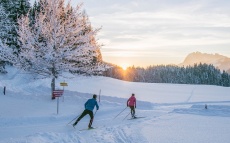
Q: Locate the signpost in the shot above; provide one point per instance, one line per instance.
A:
(63, 84)
(58, 93)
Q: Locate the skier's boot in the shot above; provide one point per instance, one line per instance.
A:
(133, 116)
(90, 127)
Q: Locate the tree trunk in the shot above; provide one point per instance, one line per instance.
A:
(52, 87)
(53, 82)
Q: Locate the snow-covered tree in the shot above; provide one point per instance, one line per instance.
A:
(6, 26)
(15, 9)
(35, 9)
(58, 42)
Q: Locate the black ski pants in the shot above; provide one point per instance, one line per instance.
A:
(85, 112)
(132, 110)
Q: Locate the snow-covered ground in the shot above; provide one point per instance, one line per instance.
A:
(173, 113)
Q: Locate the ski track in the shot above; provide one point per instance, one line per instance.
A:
(192, 93)
(127, 132)
(120, 131)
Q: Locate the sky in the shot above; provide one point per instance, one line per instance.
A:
(153, 32)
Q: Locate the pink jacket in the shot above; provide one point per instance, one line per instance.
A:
(131, 101)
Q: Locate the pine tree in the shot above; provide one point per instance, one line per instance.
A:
(6, 37)
(15, 9)
(225, 81)
(5, 25)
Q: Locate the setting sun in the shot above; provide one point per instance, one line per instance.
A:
(124, 66)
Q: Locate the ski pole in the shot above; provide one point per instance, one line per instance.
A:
(95, 112)
(126, 116)
(74, 119)
(120, 113)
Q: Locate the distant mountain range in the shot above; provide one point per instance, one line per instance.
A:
(217, 60)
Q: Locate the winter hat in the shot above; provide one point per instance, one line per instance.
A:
(95, 96)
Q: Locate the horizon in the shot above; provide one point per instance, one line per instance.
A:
(142, 34)
(184, 63)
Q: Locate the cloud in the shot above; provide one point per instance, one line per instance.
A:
(160, 28)
(162, 22)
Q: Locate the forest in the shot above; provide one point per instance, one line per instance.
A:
(198, 74)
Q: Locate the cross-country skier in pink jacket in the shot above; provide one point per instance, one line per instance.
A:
(131, 102)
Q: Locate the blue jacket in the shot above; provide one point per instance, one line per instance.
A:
(90, 104)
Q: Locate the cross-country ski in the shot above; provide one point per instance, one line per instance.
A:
(133, 118)
(87, 129)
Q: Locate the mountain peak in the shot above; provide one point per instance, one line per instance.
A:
(217, 60)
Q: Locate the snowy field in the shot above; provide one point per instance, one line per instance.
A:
(173, 113)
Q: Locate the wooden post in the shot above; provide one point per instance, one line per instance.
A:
(57, 93)
(4, 90)
(99, 95)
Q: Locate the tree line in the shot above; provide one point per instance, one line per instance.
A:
(198, 74)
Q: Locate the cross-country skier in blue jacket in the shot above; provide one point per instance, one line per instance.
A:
(89, 106)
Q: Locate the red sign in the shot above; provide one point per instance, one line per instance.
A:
(57, 93)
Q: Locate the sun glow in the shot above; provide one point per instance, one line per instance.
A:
(124, 66)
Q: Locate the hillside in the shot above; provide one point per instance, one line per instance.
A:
(219, 61)
(173, 112)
